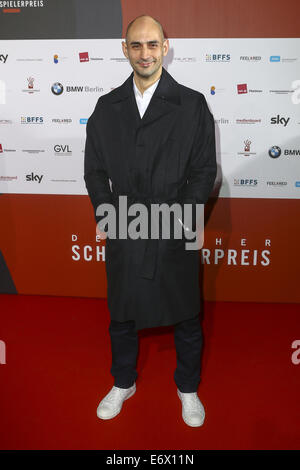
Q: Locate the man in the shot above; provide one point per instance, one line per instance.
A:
(153, 140)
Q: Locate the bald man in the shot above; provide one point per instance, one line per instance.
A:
(154, 140)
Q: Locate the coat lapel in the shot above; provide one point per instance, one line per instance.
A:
(165, 99)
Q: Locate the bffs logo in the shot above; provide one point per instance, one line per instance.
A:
(245, 182)
(217, 57)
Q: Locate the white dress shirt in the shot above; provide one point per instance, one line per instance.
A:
(143, 100)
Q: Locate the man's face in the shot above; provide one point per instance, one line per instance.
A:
(145, 48)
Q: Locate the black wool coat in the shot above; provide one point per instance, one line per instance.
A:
(167, 156)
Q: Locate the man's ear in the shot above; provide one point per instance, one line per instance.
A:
(124, 48)
(165, 46)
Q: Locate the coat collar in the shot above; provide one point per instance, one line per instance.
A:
(167, 89)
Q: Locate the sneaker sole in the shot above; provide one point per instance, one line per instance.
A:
(117, 412)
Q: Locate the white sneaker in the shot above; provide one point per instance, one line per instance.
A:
(193, 412)
(112, 403)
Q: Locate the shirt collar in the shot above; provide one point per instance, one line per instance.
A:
(148, 91)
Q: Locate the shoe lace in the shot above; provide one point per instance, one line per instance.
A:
(115, 392)
(192, 403)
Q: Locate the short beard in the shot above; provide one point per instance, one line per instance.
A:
(146, 74)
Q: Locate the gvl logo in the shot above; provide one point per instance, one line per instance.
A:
(33, 177)
(279, 120)
(2, 352)
(62, 149)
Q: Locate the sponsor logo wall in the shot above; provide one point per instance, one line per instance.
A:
(49, 88)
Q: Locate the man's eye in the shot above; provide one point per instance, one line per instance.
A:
(153, 45)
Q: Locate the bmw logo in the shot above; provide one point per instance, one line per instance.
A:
(57, 88)
(275, 151)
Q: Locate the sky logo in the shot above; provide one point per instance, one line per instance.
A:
(83, 120)
(297, 184)
(275, 58)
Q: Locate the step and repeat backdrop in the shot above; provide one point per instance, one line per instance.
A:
(49, 88)
(53, 69)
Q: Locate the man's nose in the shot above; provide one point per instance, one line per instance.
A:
(145, 50)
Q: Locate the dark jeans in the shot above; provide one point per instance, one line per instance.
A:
(188, 343)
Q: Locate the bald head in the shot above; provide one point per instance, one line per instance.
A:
(144, 20)
(145, 48)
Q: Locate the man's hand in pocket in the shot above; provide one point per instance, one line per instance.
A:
(100, 234)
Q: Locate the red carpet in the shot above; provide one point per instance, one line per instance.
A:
(58, 369)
